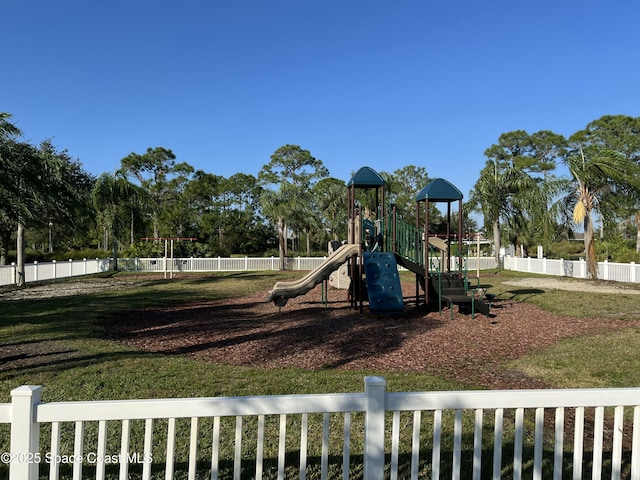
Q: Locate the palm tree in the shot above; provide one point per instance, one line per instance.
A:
(493, 196)
(10, 169)
(596, 173)
(621, 134)
(276, 205)
(38, 184)
(515, 187)
(7, 128)
(113, 197)
(34, 187)
(29, 197)
(307, 219)
(331, 197)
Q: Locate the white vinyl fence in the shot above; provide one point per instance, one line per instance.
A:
(222, 264)
(52, 270)
(617, 272)
(582, 433)
(216, 264)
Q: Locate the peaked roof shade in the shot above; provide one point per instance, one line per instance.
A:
(366, 177)
(439, 190)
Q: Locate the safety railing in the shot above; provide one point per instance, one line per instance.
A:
(578, 433)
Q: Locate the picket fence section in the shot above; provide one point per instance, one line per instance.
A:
(617, 272)
(580, 433)
(36, 271)
(222, 264)
(217, 264)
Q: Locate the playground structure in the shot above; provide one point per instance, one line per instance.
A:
(379, 240)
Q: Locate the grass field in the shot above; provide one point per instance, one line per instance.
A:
(73, 360)
(96, 368)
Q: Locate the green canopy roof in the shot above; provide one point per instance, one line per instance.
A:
(366, 177)
(439, 190)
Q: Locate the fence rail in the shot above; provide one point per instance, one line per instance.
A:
(376, 434)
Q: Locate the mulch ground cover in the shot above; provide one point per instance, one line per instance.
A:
(308, 334)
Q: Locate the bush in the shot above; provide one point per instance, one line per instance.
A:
(620, 250)
(87, 253)
(566, 249)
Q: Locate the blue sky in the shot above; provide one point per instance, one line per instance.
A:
(378, 83)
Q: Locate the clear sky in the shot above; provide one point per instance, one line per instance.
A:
(358, 83)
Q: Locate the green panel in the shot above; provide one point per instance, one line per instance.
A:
(439, 190)
(366, 177)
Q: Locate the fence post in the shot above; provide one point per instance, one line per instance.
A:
(25, 433)
(375, 391)
(35, 271)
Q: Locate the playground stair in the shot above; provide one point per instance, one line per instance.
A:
(454, 290)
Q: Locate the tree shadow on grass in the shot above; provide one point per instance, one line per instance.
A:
(52, 358)
(522, 294)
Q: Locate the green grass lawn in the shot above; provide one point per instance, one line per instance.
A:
(78, 362)
(96, 367)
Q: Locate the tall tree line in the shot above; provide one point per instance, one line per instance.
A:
(40, 186)
(523, 198)
(534, 189)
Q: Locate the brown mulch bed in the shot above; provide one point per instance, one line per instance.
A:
(307, 334)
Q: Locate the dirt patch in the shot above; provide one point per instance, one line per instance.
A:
(68, 287)
(593, 286)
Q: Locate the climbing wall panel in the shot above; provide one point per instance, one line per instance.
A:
(383, 282)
